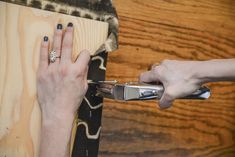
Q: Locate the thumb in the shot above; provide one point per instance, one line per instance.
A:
(166, 100)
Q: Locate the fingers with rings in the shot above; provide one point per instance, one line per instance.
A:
(154, 65)
(57, 40)
(53, 56)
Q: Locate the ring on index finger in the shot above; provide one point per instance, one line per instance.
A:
(152, 66)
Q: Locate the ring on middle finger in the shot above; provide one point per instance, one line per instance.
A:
(53, 56)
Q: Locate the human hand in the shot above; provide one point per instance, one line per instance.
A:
(61, 85)
(179, 79)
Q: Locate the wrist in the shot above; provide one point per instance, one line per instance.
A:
(56, 135)
(57, 123)
(57, 118)
(216, 70)
(195, 73)
(200, 72)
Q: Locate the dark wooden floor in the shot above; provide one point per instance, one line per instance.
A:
(154, 30)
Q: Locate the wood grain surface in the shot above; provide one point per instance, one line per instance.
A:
(154, 30)
(21, 31)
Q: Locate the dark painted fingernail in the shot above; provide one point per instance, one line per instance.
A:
(70, 24)
(45, 38)
(59, 26)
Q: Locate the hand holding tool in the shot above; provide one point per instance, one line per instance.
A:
(140, 91)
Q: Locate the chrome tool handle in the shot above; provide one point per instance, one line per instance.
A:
(202, 93)
(148, 92)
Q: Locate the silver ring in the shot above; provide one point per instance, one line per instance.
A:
(52, 56)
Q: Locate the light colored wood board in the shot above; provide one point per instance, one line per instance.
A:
(21, 32)
(154, 30)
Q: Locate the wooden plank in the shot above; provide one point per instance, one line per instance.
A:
(21, 32)
(154, 30)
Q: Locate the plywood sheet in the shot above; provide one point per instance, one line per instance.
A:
(21, 32)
